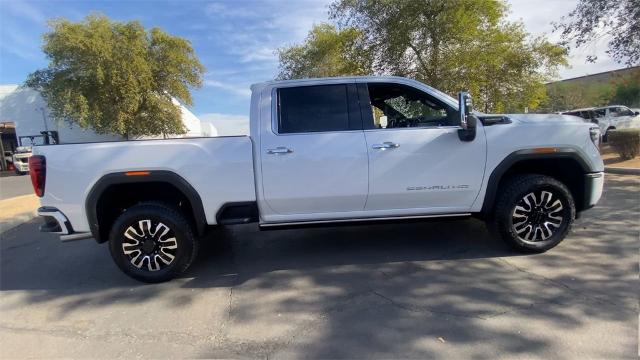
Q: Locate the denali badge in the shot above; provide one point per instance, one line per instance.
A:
(438, 187)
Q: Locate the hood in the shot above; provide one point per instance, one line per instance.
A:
(544, 118)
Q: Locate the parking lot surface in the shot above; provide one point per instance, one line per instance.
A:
(417, 290)
(12, 186)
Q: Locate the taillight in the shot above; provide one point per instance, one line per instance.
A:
(38, 173)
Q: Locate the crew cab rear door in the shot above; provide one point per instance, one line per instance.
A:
(417, 163)
(313, 153)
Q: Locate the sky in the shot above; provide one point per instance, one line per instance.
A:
(235, 40)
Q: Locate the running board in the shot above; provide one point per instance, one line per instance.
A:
(336, 222)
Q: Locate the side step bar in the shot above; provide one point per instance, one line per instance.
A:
(336, 222)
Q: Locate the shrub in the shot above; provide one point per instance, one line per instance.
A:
(625, 142)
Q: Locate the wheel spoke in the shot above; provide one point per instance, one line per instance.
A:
(170, 243)
(138, 259)
(520, 212)
(528, 202)
(555, 207)
(153, 263)
(545, 231)
(160, 232)
(132, 234)
(145, 226)
(166, 257)
(545, 198)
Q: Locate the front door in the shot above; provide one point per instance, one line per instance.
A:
(416, 160)
(314, 159)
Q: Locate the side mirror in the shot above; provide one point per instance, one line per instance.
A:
(637, 113)
(467, 120)
(465, 106)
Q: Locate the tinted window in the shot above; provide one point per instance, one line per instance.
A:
(400, 106)
(620, 111)
(317, 108)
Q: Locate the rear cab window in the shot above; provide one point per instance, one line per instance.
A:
(321, 108)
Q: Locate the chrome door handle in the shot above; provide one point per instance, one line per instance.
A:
(280, 150)
(386, 145)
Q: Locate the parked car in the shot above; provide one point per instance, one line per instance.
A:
(588, 114)
(618, 117)
(21, 159)
(322, 152)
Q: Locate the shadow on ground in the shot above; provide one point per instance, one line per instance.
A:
(406, 290)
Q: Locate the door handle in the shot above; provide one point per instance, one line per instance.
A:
(386, 145)
(280, 150)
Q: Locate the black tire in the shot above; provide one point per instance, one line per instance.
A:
(605, 137)
(150, 265)
(526, 225)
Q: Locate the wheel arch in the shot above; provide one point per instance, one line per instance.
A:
(173, 185)
(563, 164)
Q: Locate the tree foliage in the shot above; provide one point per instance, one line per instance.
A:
(450, 45)
(117, 77)
(618, 88)
(326, 52)
(591, 20)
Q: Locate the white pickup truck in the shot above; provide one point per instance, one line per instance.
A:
(355, 149)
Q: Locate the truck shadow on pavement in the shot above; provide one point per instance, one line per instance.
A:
(401, 290)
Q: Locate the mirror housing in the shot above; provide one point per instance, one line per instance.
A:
(468, 121)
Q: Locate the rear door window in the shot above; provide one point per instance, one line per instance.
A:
(321, 108)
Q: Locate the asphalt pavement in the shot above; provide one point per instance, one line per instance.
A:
(445, 289)
(12, 186)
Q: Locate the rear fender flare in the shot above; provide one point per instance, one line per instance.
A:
(164, 176)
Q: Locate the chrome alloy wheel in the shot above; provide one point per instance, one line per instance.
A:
(150, 246)
(536, 216)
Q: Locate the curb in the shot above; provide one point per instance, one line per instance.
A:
(622, 171)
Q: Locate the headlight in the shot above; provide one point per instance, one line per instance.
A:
(595, 135)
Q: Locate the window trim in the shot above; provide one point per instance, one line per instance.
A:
(275, 110)
(363, 91)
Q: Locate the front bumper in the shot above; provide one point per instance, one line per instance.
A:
(593, 185)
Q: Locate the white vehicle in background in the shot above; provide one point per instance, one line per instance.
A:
(21, 159)
(616, 117)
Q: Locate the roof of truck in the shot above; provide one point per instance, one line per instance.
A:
(346, 79)
(329, 79)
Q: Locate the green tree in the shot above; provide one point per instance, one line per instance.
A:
(450, 45)
(627, 90)
(564, 96)
(326, 52)
(593, 20)
(117, 77)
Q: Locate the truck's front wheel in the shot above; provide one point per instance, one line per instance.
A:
(534, 213)
(152, 242)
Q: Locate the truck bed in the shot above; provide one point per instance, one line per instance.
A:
(220, 169)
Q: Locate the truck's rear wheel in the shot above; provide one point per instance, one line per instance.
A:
(152, 242)
(534, 213)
